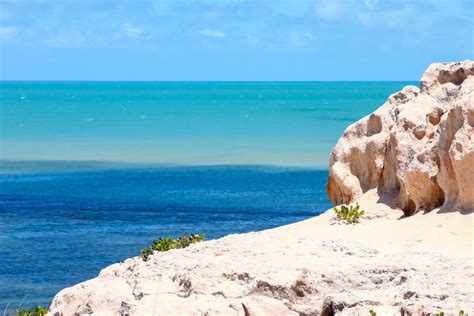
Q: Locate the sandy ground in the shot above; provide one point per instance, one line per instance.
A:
(386, 229)
(421, 264)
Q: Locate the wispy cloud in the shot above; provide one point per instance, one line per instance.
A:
(302, 39)
(330, 9)
(7, 32)
(399, 18)
(252, 39)
(131, 31)
(212, 33)
(61, 38)
(371, 3)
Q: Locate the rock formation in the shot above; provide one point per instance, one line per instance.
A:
(413, 266)
(417, 149)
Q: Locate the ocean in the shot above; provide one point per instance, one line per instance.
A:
(91, 172)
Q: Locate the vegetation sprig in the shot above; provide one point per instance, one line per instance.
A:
(461, 313)
(349, 213)
(35, 311)
(165, 244)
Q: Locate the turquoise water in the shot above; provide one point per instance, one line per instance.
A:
(283, 123)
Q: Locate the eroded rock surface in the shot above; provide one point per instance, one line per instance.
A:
(278, 272)
(417, 149)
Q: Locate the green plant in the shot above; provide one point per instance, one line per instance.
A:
(461, 313)
(36, 311)
(349, 213)
(165, 244)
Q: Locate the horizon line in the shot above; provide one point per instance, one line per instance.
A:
(203, 81)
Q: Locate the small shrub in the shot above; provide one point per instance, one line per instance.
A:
(461, 313)
(36, 311)
(349, 213)
(165, 244)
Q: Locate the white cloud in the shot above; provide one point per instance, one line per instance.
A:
(302, 39)
(400, 17)
(365, 18)
(330, 9)
(371, 3)
(131, 31)
(62, 37)
(252, 39)
(309, 36)
(212, 33)
(8, 32)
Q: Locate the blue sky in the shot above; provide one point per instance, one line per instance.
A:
(231, 40)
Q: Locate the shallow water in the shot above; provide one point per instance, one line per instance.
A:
(285, 123)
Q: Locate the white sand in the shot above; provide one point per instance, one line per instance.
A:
(449, 233)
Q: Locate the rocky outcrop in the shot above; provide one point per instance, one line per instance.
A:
(317, 267)
(417, 149)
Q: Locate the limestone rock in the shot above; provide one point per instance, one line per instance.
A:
(417, 149)
(290, 270)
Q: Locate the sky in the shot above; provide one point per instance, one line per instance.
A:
(231, 40)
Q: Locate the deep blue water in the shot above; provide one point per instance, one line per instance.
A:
(60, 228)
